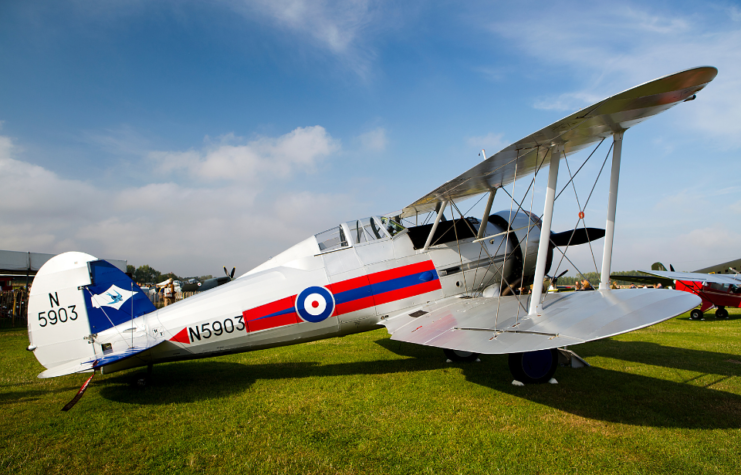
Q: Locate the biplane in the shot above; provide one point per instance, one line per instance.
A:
(718, 286)
(448, 283)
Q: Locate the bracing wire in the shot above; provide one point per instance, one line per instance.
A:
(109, 319)
(582, 209)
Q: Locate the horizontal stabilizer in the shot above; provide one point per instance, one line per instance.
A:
(90, 364)
(566, 318)
(577, 236)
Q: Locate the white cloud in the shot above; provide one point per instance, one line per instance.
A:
(374, 140)
(263, 157)
(339, 27)
(187, 229)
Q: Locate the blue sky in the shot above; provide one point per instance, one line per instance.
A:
(191, 135)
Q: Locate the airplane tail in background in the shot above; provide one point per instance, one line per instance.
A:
(74, 297)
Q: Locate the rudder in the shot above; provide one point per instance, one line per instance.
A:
(73, 297)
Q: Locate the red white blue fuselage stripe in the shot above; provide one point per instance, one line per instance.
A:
(353, 294)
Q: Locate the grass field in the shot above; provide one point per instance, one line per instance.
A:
(662, 400)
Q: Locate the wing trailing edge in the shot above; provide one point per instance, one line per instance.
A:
(567, 318)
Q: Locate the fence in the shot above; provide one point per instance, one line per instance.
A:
(14, 306)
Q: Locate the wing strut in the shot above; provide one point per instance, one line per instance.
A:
(434, 225)
(545, 229)
(604, 283)
(487, 210)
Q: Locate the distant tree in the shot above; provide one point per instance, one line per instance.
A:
(130, 269)
(592, 277)
(146, 274)
(205, 277)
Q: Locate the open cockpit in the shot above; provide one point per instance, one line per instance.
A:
(359, 231)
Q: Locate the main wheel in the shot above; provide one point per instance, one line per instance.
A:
(534, 367)
(461, 356)
(696, 314)
(721, 313)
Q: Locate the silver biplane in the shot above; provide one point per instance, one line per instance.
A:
(446, 284)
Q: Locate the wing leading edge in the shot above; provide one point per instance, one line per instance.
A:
(696, 277)
(575, 132)
(566, 319)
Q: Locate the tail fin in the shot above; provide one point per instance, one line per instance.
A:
(74, 296)
(658, 266)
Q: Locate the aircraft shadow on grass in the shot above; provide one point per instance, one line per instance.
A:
(626, 398)
(31, 394)
(654, 354)
(593, 393)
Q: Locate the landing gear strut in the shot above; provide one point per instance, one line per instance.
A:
(533, 367)
(461, 356)
(141, 382)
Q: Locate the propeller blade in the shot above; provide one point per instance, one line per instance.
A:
(561, 274)
(580, 236)
(226, 271)
(232, 274)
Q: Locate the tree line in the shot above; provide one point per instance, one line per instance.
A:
(594, 278)
(148, 275)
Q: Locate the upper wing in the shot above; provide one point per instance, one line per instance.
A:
(696, 277)
(567, 318)
(575, 132)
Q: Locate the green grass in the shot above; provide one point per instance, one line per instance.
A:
(662, 400)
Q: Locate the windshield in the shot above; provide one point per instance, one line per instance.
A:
(366, 230)
(332, 239)
(392, 226)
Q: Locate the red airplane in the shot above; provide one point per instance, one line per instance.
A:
(718, 286)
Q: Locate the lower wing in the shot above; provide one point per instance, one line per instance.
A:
(488, 326)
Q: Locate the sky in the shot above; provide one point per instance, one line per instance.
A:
(191, 135)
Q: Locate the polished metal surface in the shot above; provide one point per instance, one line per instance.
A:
(575, 132)
(567, 318)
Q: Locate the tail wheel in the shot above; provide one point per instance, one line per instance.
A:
(534, 367)
(696, 314)
(461, 356)
(721, 313)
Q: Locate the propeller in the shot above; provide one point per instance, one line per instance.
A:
(555, 279)
(577, 236)
(231, 276)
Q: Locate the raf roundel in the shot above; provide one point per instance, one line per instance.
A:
(315, 304)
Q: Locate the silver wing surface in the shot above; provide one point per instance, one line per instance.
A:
(575, 132)
(569, 318)
(696, 277)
